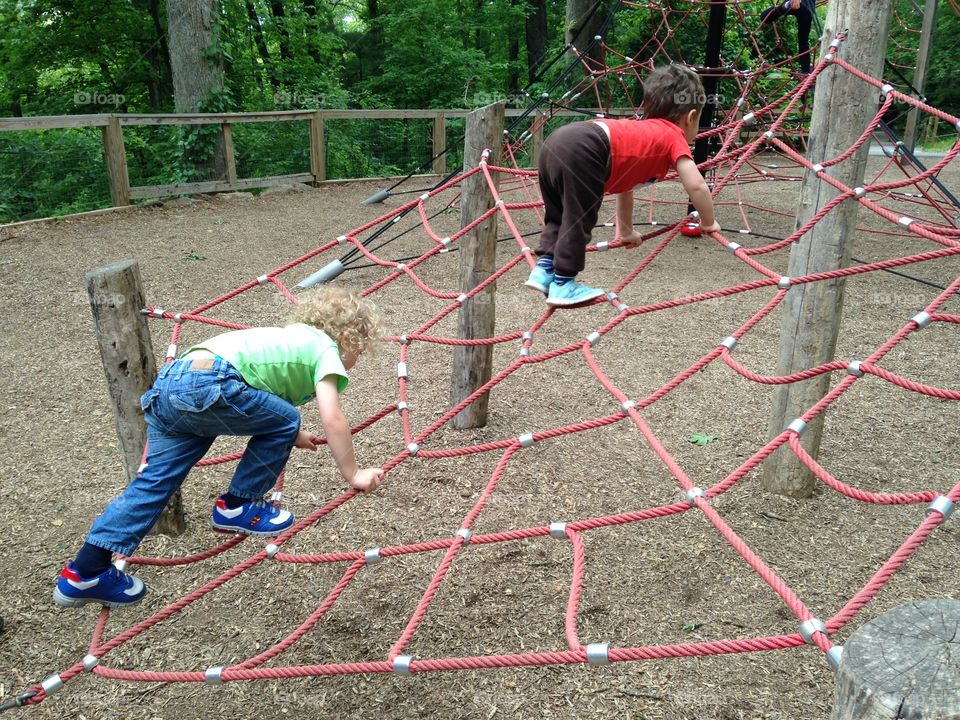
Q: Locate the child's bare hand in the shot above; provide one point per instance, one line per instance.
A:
(307, 441)
(367, 480)
(631, 239)
(712, 227)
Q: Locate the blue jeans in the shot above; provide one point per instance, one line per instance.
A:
(185, 411)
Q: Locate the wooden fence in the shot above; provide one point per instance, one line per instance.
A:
(116, 159)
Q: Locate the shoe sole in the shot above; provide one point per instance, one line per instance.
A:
(536, 286)
(68, 602)
(244, 531)
(569, 303)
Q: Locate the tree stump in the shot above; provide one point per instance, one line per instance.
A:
(116, 298)
(904, 665)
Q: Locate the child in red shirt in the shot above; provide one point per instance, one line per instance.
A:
(581, 162)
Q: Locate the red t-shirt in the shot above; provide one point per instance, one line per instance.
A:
(643, 151)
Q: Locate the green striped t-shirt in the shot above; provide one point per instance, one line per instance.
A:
(287, 361)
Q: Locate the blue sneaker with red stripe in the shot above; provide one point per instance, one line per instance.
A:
(257, 517)
(112, 588)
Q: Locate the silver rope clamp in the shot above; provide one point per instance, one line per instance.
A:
(425, 196)
(957, 126)
(748, 119)
(90, 662)
(733, 247)
(628, 405)
(729, 342)
(922, 319)
(178, 317)
(462, 298)
(593, 338)
(524, 352)
(413, 449)
(272, 549)
(601, 246)
(527, 335)
(798, 426)
(818, 168)
(905, 222)
(52, 684)
(401, 370)
(466, 534)
(834, 656)
(598, 653)
(445, 242)
(768, 135)
(855, 369)
(400, 267)
(263, 280)
(213, 675)
(693, 493)
(404, 340)
(156, 312)
(120, 565)
(372, 556)
(622, 307)
(276, 496)
(784, 282)
(809, 628)
(401, 664)
(943, 505)
(558, 530)
(171, 350)
(741, 102)
(341, 239)
(836, 43)
(887, 89)
(859, 192)
(402, 405)
(526, 440)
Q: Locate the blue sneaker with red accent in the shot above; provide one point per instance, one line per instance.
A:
(257, 517)
(112, 588)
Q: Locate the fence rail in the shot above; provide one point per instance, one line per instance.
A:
(115, 156)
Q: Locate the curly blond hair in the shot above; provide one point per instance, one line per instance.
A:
(351, 321)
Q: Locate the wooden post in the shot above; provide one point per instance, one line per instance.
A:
(920, 73)
(439, 144)
(116, 297)
(115, 157)
(536, 144)
(318, 153)
(904, 665)
(472, 365)
(228, 156)
(843, 107)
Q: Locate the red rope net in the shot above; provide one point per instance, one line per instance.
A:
(904, 203)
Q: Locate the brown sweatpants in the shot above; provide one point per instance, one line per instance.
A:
(573, 166)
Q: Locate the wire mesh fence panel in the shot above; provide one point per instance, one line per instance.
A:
(45, 173)
(153, 154)
(371, 148)
(276, 148)
(455, 128)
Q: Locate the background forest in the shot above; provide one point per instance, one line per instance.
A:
(68, 57)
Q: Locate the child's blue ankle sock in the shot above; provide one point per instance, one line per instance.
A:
(563, 279)
(546, 262)
(91, 561)
(233, 501)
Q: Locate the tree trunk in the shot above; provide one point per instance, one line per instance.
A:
(276, 8)
(261, 42)
(197, 73)
(843, 106)
(536, 30)
(513, 56)
(582, 25)
(373, 42)
(165, 72)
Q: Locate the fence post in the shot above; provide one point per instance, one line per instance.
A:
(439, 144)
(116, 298)
(115, 157)
(318, 154)
(904, 664)
(537, 142)
(228, 156)
(472, 365)
(920, 72)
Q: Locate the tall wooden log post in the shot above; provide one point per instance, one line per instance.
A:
(115, 158)
(843, 107)
(472, 365)
(904, 665)
(116, 298)
(920, 72)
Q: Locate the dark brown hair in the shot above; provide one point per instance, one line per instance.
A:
(671, 91)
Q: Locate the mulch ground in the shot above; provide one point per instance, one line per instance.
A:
(666, 581)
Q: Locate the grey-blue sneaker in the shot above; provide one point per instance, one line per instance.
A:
(539, 279)
(572, 293)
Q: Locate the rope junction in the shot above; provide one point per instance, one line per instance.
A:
(913, 204)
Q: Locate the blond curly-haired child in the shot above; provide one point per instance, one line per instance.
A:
(244, 382)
